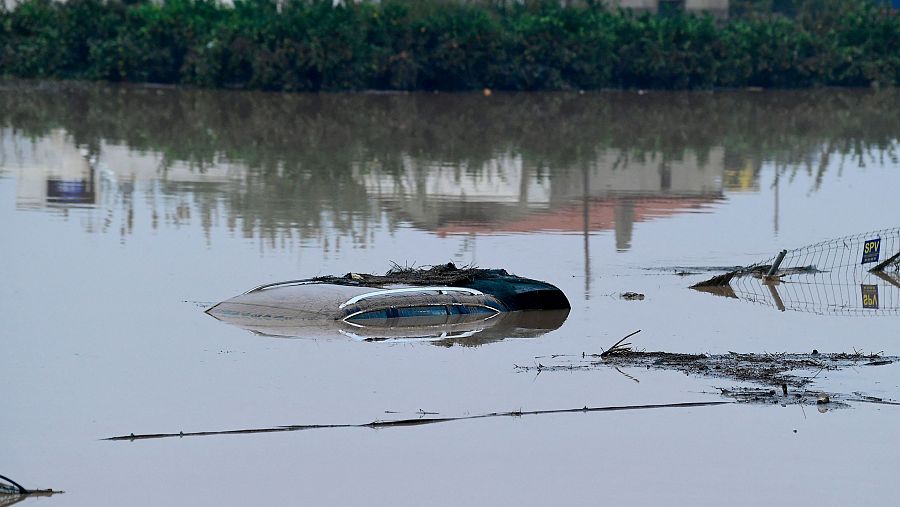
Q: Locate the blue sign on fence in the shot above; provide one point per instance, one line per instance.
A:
(871, 248)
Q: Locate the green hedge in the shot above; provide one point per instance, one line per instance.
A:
(439, 45)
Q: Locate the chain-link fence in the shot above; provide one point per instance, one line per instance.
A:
(852, 275)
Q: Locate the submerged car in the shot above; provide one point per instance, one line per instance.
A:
(441, 303)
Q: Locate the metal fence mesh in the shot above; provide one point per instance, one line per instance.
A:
(845, 254)
(856, 275)
(824, 294)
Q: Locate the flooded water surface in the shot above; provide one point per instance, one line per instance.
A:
(125, 212)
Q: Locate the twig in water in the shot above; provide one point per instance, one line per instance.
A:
(619, 347)
(627, 375)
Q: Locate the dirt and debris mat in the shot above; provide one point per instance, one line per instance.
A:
(441, 274)
(783, 377)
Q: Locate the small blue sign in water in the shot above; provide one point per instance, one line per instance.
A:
(871, 248)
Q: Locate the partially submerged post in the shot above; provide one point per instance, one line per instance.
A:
(776, 297)
(770, 276)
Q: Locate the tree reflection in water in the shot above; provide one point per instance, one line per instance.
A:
(334, 167)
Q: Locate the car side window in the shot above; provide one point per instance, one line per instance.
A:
(422, 311)
(467, 309)
(373, 314)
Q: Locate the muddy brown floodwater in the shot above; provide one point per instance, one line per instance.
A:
(127, 211)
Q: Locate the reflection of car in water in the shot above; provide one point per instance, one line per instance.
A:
(476, 306)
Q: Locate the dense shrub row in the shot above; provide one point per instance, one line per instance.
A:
(434, 44)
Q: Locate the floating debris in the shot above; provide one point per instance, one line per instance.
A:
(764, 396)
(768, 369)
(619, 347)
(791, 374)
